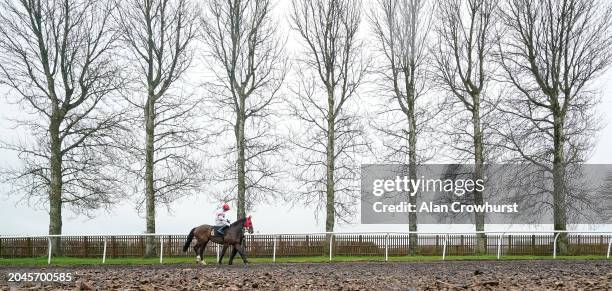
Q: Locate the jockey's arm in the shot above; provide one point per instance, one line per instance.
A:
(221, 220)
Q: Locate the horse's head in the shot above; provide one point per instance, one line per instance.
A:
(248, 224)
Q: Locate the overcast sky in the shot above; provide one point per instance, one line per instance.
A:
(20, 218)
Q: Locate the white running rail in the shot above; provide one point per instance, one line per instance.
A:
(332, 235)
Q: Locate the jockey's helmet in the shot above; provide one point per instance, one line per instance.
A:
(226, 207)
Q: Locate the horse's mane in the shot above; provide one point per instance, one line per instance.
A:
(237, 222)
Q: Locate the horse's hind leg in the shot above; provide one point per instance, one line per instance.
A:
(201, 252)
(241, 252)
(196, 249)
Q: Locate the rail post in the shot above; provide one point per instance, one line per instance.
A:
(499, 242)
(609, 245)
(555, 245)
(331, 244)
(387, 247)
(161, 249)
(104, 252)
(274, 249)
(49, 247)
(217, 252)
(444, 247)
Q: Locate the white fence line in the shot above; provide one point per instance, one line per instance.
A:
(446, 235)
(323, 232)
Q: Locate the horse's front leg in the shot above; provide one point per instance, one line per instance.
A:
(222, 253)
(232, 255)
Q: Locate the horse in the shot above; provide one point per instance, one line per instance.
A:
(233, 236)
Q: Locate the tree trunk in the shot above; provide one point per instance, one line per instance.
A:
(478, 174)
(412, 173)
(149, 179)
(55, 191)
(330, 207)
(241, 160)
(330, 216)
(559, 206)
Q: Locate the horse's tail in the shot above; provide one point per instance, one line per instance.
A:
(189, 239)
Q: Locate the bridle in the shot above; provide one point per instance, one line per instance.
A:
(248, 225)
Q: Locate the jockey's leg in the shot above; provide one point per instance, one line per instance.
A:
(222, 229)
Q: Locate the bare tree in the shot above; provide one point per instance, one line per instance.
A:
(551, 51)
(56, 57)
(249, 68)
(463, 54)
(401, 28)
(332, 69)
(159, 35)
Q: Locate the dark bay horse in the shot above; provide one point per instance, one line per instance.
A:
(233, 236)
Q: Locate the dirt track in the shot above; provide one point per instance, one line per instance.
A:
(516, 275)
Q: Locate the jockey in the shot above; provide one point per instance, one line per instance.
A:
(220, 221)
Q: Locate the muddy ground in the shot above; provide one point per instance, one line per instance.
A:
(477, 275)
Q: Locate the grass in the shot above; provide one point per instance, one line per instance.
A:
(70, 261)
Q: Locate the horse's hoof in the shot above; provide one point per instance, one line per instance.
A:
(203, 262)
